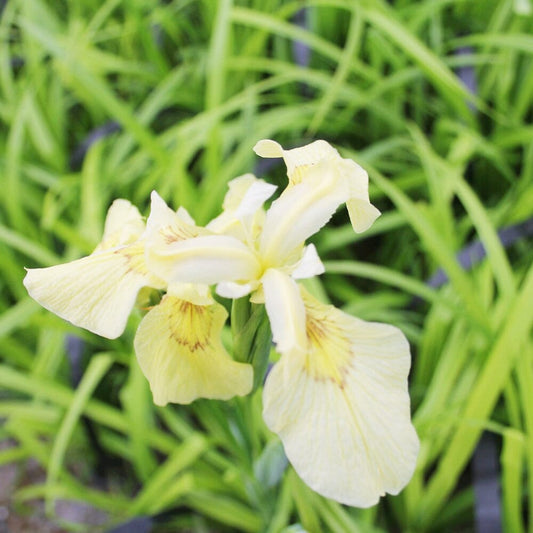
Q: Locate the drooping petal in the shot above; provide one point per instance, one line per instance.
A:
(342, 409)
(300, 160)
(300, 212)
(179, 350)
(96, 292)
(285, 311)
(123, 225)
(362, 213)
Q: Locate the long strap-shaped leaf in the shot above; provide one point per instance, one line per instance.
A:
(505, 353)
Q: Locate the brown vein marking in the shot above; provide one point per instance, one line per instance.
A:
(134, 256)
(172, 234)
(190, 325)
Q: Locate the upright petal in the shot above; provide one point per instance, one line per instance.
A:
(179, 350)
(96, 292)
(123, 225)
(246, 195)
(242, 211)
(165, 226)
(309, 264)
(342, 409)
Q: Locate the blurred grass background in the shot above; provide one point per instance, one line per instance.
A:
(107, 99)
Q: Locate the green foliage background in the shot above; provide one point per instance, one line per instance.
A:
(193, 85)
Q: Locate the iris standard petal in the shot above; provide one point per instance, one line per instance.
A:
(165, 226)
(242, 203)
(179, 350)
(96, 292)
(342, 409)
(123, 225)
(309, 265)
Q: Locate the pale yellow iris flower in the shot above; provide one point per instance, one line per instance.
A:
(338, 396)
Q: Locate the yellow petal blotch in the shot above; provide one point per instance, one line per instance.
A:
(179, 350)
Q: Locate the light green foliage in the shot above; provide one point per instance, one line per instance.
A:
(193, 85)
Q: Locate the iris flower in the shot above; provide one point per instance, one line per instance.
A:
(338, 396)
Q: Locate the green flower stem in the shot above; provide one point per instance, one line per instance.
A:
(240, 321)
(252, 337)
(261, 345)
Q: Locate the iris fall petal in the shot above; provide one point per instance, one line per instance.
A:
(300, 160)
(342, 409)
(96, 292)
(179, 350)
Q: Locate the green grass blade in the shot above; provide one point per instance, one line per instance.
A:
(488, 386)
(96, 370)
